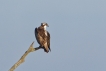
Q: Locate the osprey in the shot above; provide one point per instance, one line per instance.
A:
(43, 37)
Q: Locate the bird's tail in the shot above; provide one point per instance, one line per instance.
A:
(46, 50)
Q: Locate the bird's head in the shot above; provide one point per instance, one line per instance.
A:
(44, 24)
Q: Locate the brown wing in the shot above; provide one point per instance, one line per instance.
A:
(38, 37)
(48, 40)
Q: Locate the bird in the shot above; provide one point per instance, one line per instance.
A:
(43, 37)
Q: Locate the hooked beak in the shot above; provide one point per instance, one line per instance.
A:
(47, 25)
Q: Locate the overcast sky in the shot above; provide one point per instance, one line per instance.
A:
(77, 29)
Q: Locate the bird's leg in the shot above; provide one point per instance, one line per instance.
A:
(37, 48)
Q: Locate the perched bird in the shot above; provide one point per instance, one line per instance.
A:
(43, 37)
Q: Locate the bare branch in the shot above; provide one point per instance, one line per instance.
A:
(22, 59)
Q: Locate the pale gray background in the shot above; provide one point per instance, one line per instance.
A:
(77, 28)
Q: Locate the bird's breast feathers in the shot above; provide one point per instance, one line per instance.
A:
(46, 33)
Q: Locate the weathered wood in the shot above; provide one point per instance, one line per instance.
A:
(22, 59)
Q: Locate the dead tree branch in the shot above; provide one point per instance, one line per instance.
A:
(22, 59)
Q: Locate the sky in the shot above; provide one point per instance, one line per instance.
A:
(77, 29)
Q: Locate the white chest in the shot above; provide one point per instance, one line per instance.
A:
(46, 33)
(44, 27)
(45, 30)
